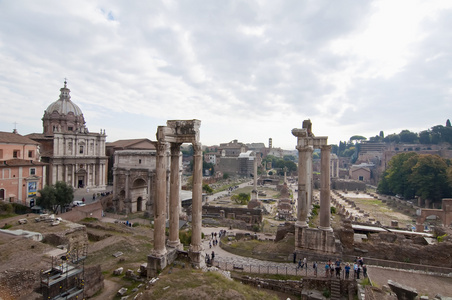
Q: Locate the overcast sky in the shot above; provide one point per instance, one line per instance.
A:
(249, 70)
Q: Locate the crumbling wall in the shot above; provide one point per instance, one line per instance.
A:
(94, 280)
(73, 237)
(19, 284)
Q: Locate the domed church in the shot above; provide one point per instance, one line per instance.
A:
(74, 155)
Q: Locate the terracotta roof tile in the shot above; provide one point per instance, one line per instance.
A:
(14, 138)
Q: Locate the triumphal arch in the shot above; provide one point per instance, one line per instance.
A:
(169, 139)
(319, 239)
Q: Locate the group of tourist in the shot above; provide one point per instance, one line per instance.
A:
(335, 268)
(214, 235)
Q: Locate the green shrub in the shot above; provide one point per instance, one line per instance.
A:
(333, 210)
(7, 226)
(440, 238)
(326, 293)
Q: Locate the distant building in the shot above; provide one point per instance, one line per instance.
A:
(21, 172)
(132, 144)
(74, 155)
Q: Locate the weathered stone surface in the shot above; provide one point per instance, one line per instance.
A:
(403, 292)
(122, 291)
(118, 271)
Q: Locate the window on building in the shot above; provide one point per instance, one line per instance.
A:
(32, 171)
(81, 149)
(70, 128)
(1, 153)
(361, 178)
(16, 153)
(30, 153)
(139, 161)
(2, 194)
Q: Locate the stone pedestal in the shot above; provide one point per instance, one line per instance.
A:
(314, 239)
(155, 265)
(197, 258)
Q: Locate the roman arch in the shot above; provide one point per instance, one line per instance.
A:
(444, 214)
(319, 239)
(171, 137)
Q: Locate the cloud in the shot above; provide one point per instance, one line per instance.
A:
(247, 69)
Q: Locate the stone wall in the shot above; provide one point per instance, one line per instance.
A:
(94, 280)
(349, 185)
(72, 237)
(250, 216)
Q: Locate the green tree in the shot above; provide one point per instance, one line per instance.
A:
(410, 174)
(55, 196)
(424, 137)
(395, 178)
(206, 188)
(242, 198)
(429, 177)
(409, 137)
(357, 138)
(392, 138)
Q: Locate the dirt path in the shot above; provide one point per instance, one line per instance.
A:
(428, 285)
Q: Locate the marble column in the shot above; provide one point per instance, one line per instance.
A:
(302, 202)
(196, 244)
(174, 206)
(160, 202)
(325, 211)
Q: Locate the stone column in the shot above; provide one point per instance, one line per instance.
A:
(174, 200)
(337, 167)
(160, 202)
(325, 211)
(302, 202)
(196, 245)
(254, 193)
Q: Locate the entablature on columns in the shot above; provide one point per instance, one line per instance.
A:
(305, 139)
(179, 131)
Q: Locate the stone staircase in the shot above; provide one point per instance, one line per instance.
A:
(335, 289)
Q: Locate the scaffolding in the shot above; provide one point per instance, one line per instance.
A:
(66, 277)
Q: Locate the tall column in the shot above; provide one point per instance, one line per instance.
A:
(174, 197)
(196, 245)
(160, 202)
(337, 167)
(325, 211)
(309, 177)
(302, 211)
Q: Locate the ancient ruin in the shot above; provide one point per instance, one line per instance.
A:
(313, 239)
(171, 137)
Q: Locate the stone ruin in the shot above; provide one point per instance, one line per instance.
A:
(171, 137)
(313, 239)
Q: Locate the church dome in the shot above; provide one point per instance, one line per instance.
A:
(63, 115)
(64, 105)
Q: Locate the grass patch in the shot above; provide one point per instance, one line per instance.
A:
(194, 284)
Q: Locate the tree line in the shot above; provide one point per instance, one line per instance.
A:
(418, 175)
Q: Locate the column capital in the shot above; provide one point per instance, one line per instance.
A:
(175, 149)
(305, 148)
(161, 148)
(325, 148)
(197, 148)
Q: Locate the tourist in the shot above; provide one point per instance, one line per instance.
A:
(213, 255)
(357, 272)
(347, 270)
(210, 244)
(314, 266)
(305, 263)
(83, 199)
(299, 264)
(364, 270)
(294, 257)
(327, 269)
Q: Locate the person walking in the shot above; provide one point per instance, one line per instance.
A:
(314, 266)
(299, 264)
